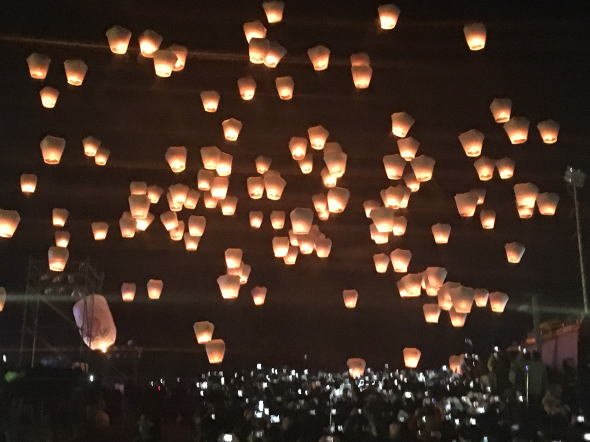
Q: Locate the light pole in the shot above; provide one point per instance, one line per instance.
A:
(576, 178)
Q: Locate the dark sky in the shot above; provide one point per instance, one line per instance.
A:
(536, 54)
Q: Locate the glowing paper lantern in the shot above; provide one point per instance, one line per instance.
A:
(431, 313)
(274, 185)
(411, 357)
(291, 257)
(407, 148)
(262, 164)
(481, 297)
(485, 168)
(256, 218)
(274, 11)
(127, 226)
(181, 53)
(28, 183)
(360, 59)
(255, 186)
(472, 142)
(118, 38)
(433, 279)
(228, 205)
(2, 298)
(285, 86)
(323, 247)
(138, 188)
(400, 260)
(393, 196)
(176, 158)
(233, 258)
(549, 131)
(215, 351)
(378, 237)
(38, 65)
(338, 199)
(498, 301)
(475, 35)
(361, 76)
(224, 164)
(143, 224)
(9, 220)
(99, 230)
(383, 219)
(410, 285)
(149, 43)
(95, 322)
(505, 168)
(306, 164)
(457, 319)
(75, 71)
(219, 187)
(229, 286)
(59, 217)
(154, 288)
(455, 363)
(320, 57)
(441, 233)
(259, 295)
(400, 223)
(318, 136)
(368, 207)
(481, 195)
(328, 179)
(62, 238)
(164, 62)
(91, 146)
(275, 53)
(306, 244)
(139, 205)
(514, 252)
(254, 29)
(356, 367)
(301, 220)
(191, 243)
(52, 148)
(210, 100)
(526, 194)
(58, 258)
(169, 220)
(381, 261)
(501, 109)
(462, 298)
(203, 331)
(204, 179)
(401, 122)
(466, 204)
(102, 156)
(177, 194)
(517, 129)
(487, 218)
(192, 199)
(128, 291)
(247, 88)
(298, 147)
(444, 297)
(231, 129)
(335, 159)
(411, 181)
(48, 97)
(350, 298)
(423, 167)
(388, 16)
(277, 219)
(280, 246)
(547, 203)
(196, 225)
(258, 50)
(394, 165)
(177, 233)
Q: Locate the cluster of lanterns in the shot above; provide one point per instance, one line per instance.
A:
(215, 348)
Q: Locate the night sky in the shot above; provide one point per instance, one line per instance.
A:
(535, 54)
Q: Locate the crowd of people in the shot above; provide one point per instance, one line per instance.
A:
(509, 397)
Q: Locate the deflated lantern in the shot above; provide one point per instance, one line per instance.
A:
(320, 57)
(48, 97)
(149, 42)
(356, 367)
(501, 109)
(231, 129)
(350, 298)
(128, 291)
(285, 86)
(400, 260)
(431, 313)
(28, 183)
(388, 16)
(466, 204)
(176, 158)
(517, 129)
(548, 130)
(75, 71)
(401, 122)
(118, 38)
(258, 295)
(38, 65)
(475, 35)
(154, 288)
(210, 100)
(498, 301)
(58, 258)
(441, 233)
(95, 322)
(229, 286)
(215, 351)
(203, 331)
(514, 252)
(472, 142)
(52, 148)
(411, 357)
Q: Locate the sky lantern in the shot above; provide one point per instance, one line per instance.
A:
(49, 97)
(547, 203)
(335, 159)
(247, 88)
(255, 186)
(410, 285)
(219, 187)
(350, 298)
(127, 226)
(505, 168)
(176, 158)
(382, 218)
(118, 38)
(498, 301)
(462, 298)
(9, 220)
(91, 145)
(181, 53)
(455, 363)
(62, 238)
(143, 224)
(58, 258)
(52, 148)
(229, 286)
(433, 279)
(102, 156)
(378, 238)
(169, 220)
(210, 100)
(361, 76)
(262, 164)
(549, 130)
(256, 218)
(401, 122)
(481, 195)
(191, 243)
(285, 86)
(320, 57)
(444, 296)
(323, 247)
(139, 205)
(328, 179)
(411, 357)
(229, 205)
(301, 220)
(243, 272)
(274, 11)
(514, 252)
(356, 367)
(472, 142)
(258, 49)
(338, 199)
(298, 147)
(254, 29)
(457, 319)
(306, 164)
(280, 246)
(192, 199)
(368, 207)
(204, 179)
(481, 297)
(526, 194)
(291, 257)
(75, 71)
(306, 244)
(233, 258)
(318, 136)
(224, 165)
(215, 351)
(99, 230)
(400, 260)
(128, 291)
(394, 165)
(28, 183)
(38, 65)
(393, 196)
(475, 35)
(178, 192)
(360, 59)
(408, 147)
(525, 212)
(431, 313)
(388, 16)
(196, 225)
(258, 295)
(381, 261)
(95, 322)
(231, 129)
(274, 185)
(441, 233)
(149, 43)
(487, 218)
(138, 188)
(154, 288)
(203, 331)
(400, 224)
(274, 55)
(411, 181)
(517, 129)
(501, 109)
(466, 204)
(277, 219)
(423, 167)
(485, 168)
(2, 298)
(59, 217)
(175, 206)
